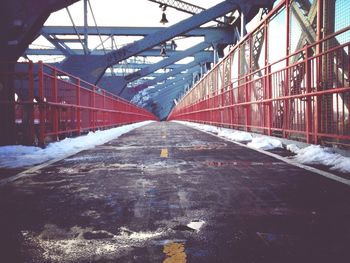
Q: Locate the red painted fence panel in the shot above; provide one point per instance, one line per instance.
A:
(51, 104)
(267, 89)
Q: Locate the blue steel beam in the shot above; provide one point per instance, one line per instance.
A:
(198, 60)
(91, 68)
(167, 61)
(178, 80)
(57, 52)
(124, 31)
(224, 37)
(61, 47)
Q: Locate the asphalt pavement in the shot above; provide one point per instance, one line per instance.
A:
(168, 193)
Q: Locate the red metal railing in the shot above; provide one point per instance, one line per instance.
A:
(303, 96)
(51, 104)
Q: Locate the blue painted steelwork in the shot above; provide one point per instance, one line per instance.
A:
(94, 67)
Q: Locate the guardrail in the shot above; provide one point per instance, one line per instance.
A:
(50, 104)
(302, 96)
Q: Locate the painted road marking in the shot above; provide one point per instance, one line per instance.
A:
(164, 153)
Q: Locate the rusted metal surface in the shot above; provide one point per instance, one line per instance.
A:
(206, 200)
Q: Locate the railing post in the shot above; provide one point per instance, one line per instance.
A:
(104, 109)
(248, 104)
(286, 91)
(78, 124)
(319, 35)
(31, 104)
(55, 108)
(268, 86)
(93, 108)
(308, 110)
(41, 105)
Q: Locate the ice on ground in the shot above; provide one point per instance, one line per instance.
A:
(196, 224)
(16, 156)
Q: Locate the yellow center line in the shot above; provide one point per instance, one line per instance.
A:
(164, 153)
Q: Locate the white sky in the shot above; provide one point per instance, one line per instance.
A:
(133, 13)
(124, 13)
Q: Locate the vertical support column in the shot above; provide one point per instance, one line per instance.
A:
(268, 85)
(308, 110)
(78, 124)
(86, 36)
(103, 107)
(56, 109)
(243, 22)
(286, 102)
(7, 113)
(319, 35)
(248, 106)
(30, 105)
(93, 108)
(329, 79)
(41, 105)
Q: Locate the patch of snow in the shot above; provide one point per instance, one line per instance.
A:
(265, 143)
(16, 156)
(196, 224)
(293, 148)
(316, 154)
(237, 136)
(310, 154)
(145, 235)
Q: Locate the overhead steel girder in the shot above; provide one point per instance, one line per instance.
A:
(140, 65)
(58, 52)
(174, 72)
(92, 68)
(228, 37)
(20, 22)
(167, 61)
(61, 47)
(190, 67)
(180, 79)
(123, 31)
(165, 102)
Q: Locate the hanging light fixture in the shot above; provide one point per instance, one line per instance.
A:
(164, 20)
(163, 51)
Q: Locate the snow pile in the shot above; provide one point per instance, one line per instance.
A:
(230, 134)
(237, 136)
(315, 154)
(16, 156)
(265, 143)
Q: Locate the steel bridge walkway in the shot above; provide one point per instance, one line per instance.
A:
(168, 193)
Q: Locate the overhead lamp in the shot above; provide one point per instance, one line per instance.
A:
(173, 45)
(164, 20)
(163, 51)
